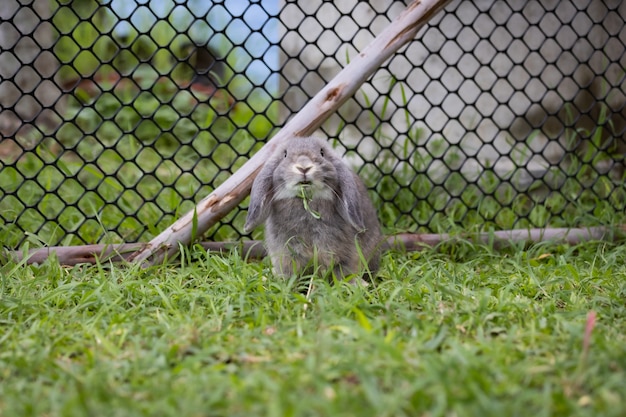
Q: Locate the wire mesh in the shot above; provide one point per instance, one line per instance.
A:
(117, 117)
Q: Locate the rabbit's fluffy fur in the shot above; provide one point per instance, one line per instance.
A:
(337, 229)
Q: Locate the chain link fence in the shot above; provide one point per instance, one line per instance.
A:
(117, 117)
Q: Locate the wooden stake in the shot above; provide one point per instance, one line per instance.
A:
(228, 195)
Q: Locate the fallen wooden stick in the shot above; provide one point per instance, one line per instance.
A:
(253, 249)
(416, 241)
(90, 254)
(230, 193)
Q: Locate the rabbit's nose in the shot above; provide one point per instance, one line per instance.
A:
(303, 166)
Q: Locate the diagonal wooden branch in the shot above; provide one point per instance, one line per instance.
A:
(228, 195)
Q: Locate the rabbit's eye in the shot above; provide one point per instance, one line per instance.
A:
(322, 151)
(285, 153)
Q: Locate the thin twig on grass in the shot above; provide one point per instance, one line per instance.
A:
(253, 249)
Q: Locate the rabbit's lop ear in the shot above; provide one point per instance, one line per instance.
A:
(351, 196)
(260, 196)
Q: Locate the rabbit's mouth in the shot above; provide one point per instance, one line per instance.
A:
(314, 189)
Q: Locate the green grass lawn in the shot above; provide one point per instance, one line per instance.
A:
(453, 331)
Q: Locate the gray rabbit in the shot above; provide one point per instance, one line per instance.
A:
(316, 211)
